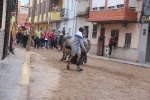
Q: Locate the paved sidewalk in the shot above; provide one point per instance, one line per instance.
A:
(120, 61)
(14, 76)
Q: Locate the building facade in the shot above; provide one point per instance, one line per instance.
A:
(68, 17)
(144, 44)
(82, 15)
(60, 18)
(112, 18)
(22, 13)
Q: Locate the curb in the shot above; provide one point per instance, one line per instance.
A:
(120, 61)
(26, 72)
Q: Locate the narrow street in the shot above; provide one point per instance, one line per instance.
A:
(100, 79)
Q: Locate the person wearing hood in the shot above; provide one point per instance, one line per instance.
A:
(75, 49)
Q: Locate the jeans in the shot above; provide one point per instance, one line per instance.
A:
(37, 44)
(25, 40)
(42, 42)
(48, 43)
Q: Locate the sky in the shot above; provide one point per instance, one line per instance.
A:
(24, 1)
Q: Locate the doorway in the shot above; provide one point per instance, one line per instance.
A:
(101, 41)
(86, 30)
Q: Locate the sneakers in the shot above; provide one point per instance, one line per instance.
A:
(79, 69)
(68, 68)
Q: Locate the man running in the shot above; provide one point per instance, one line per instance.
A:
(78, 40)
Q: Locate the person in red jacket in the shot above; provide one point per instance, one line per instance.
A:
(52, 39)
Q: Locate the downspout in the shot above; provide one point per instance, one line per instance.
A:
(75, 18)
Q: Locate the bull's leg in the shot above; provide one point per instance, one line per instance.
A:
(63, 52)
(63, 55)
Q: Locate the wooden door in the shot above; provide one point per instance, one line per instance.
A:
(101, 41)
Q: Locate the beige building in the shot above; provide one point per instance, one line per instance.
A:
(45, 17)
(119, 17)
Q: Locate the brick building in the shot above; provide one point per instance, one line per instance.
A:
(22, 13)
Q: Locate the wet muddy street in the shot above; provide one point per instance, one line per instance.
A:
(99, 80)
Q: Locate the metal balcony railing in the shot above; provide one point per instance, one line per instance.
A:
(64, 13)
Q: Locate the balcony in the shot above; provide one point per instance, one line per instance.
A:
(83, 13)
(64, 13)
(54, 16)
(111, 13)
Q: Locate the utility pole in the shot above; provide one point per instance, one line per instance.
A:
(34, 3)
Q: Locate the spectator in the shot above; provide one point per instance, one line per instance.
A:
(12, 34)
(45, 38)
(37, 39)
(52, 39)
(42, 38)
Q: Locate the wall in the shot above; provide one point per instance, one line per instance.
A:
(70, 23)
(107, 15)
(143, 44)
(129, 54)
(81, 22)
(22, 14)
(24, 10)
(80, 7)
(148, 48)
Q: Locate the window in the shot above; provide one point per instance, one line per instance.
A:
(36, 10)
(127, 40)
(94, 9)
(115, 4)
(44, 7)
(111, 7)
(40, 8)
(98, 3)
(132, 4)
(120, 6)
(94, 34)
(101, 8)
(115, 35)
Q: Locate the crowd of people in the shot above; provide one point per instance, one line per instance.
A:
(40, 38)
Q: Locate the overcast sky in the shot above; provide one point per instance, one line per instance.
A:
(24, 1)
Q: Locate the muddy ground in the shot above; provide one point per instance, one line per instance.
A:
(100, 80)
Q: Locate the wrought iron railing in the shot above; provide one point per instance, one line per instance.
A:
(64, 13)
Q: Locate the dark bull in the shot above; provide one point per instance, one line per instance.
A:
(67, 42)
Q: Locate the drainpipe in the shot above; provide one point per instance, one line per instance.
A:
(74, 19)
